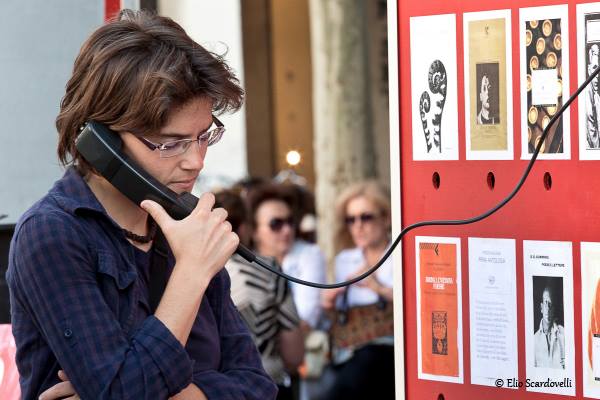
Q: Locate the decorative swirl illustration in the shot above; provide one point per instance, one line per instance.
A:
(431, 117)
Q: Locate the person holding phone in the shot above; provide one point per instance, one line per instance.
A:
(80, 265)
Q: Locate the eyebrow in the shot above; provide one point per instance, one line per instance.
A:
(179, 136)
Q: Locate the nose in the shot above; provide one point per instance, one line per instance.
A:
(193, 158)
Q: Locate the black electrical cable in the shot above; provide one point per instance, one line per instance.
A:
(443, 222)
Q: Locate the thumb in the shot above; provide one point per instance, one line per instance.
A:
(157, 212)
(62, 375)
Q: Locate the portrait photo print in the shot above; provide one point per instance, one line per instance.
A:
(548, 328)
(488, 93)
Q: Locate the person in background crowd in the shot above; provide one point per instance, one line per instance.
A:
(363, 212)
(81, 265)
(274, 235)
(266, 304)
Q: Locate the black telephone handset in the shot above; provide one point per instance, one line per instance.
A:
(102, 149)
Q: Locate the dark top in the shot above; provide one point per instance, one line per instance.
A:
(79, 302)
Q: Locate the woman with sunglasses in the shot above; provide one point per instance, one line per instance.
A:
(277, 325)
(363, 214)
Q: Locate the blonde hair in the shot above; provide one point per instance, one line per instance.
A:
(370, 190)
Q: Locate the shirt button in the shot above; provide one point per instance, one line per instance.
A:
(68, 333)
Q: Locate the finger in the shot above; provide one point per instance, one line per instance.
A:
(219, 214)
(226, 244)
(227, 227)
(205, 203)
(62, 375)
(157, 213)
(59, 390)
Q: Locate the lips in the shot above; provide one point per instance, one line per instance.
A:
(184, 185)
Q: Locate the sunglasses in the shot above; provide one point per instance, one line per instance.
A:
(276, 224)
(363, 217)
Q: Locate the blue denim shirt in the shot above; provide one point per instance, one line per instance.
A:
(79, 302)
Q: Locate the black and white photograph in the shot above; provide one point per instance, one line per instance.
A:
(592, 97)
(588, 60)
(488, 99)
(548, 314)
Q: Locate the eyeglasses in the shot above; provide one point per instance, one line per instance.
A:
(276, 224)
(177, 147)
(363, 217)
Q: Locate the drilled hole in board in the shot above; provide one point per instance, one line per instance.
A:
(491, 180)
(548, 181)
(440, 397)
(435, 179)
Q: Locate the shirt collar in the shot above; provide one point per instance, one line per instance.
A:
(74, 195)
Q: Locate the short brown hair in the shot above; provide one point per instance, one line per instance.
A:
(372, 191)
(132, 72)
(265, 192)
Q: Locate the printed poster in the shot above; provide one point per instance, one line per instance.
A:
(488, 85)
(493, 311)
(434, 87)
(590, 318)
(549, 325)
(439, 316)
(588, 60)
(544, 80)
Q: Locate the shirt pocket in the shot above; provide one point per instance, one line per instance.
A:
(115, 280)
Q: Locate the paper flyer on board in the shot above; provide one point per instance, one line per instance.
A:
(588, 59)
(544, 45)
(549, 323)
(488, 85)
(434, 87)
(439, 316)
(493, 311)
(590, 318)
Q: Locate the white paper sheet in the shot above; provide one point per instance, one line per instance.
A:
(434, 87)
(588, 35)
(543, 87)
(548, 296)
(596, 357)
(590, 284)
(493, 310)
(507, 154)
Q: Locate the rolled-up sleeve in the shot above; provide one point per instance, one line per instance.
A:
(241, 375)
(52, 276)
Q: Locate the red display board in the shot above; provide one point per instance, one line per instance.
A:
(566, 209)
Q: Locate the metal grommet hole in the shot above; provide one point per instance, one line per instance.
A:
(548, 181)
(435, 179)
(491, 180)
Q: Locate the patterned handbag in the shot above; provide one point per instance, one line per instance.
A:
(353, 327)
